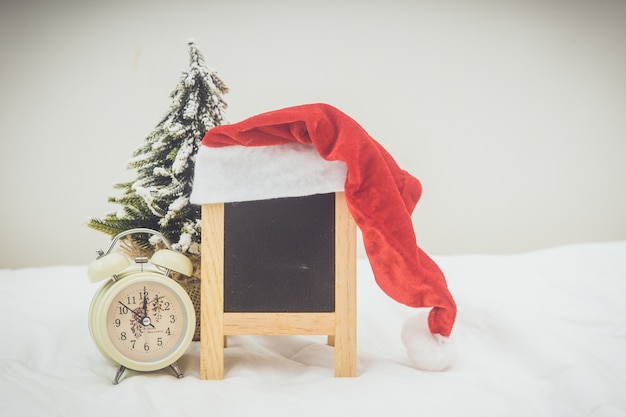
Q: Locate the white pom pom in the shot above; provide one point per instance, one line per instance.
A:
(427, 351)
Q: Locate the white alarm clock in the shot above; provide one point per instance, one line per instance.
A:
(140, 318)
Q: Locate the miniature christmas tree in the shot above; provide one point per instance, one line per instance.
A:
(159, 198)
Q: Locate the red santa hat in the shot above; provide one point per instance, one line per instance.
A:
(316, 148)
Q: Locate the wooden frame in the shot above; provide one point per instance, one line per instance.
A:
(216, 325)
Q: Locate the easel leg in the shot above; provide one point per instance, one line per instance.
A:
(212, 293)
(344, 339)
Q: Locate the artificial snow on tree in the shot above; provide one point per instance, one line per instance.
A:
(159, 198)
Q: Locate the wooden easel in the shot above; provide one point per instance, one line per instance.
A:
(216, 325)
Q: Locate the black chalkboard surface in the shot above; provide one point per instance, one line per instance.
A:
(279, 255)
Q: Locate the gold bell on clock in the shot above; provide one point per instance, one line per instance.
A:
(140, 318)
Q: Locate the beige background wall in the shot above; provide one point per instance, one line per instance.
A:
(512, 113)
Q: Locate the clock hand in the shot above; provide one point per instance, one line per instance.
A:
(131, 310)
(145, 320)
(138, 316)
(145, 301)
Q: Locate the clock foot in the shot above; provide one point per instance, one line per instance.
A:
(118, 375)
(176, 370)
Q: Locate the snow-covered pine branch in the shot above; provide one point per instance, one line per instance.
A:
(164, 162)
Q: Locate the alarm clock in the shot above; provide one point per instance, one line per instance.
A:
(140, 318)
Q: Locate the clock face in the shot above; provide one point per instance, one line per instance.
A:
(144, 321)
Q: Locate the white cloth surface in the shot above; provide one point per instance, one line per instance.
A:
(240, 173)
(538, 334)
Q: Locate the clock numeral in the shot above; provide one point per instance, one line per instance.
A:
(167, 305)
(168, 332)
(132, 343)
(123, 310)
(118, 322)
(131, 300)
(123, 336)
(146, 347)
(172, 318)
(159, 341)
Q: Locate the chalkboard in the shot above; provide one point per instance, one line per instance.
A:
(278, 267)
(279, 255)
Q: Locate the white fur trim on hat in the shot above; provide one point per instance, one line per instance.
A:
(240, 173)
(427, 351)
